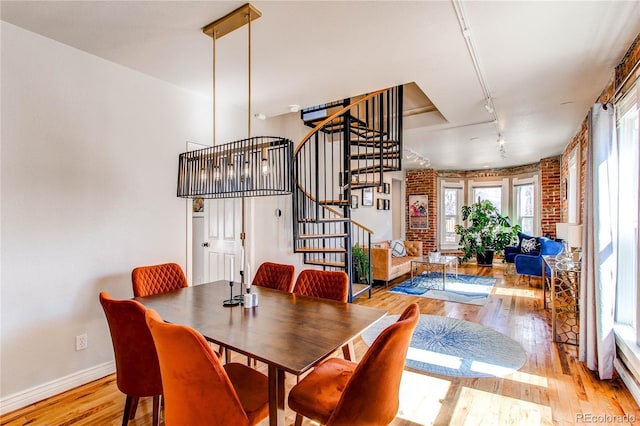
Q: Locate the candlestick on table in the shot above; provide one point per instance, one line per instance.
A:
(230, 301)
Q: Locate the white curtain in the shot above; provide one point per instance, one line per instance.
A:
(598, 282)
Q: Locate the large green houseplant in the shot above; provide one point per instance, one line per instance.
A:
(487, 232)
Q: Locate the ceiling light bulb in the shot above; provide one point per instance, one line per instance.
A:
(264, 164)
(245, 170)
(294, 108)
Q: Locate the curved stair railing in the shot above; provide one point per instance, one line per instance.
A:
(352, 148)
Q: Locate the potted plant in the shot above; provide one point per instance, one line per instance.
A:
(360, 259)
(487, 232)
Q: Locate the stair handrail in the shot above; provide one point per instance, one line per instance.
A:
(334, 116)
(352, 221)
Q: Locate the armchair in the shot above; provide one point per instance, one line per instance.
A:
(531, 264)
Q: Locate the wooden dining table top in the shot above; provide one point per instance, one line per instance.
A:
(291, 332)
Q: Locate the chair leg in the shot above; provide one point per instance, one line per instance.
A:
(349, 352)
(134, 408)
(130, 406)
(156, 410)
(298, 420)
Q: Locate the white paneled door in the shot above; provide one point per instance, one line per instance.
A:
(223, 224)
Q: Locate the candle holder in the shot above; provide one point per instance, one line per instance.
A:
(239, 297)
(231, 301)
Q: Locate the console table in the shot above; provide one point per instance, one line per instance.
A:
(561, 290)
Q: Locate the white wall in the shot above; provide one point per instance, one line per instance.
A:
(269, 238)
(88, 167)
(380, 221)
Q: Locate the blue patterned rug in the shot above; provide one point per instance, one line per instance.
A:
(453, 347)
(471, 289)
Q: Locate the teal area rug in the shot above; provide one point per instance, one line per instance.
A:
(458, 348)
(470, 289)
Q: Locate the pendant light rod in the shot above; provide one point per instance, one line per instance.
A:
(249, 75)
(214, 90)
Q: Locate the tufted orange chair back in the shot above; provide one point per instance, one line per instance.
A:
(156, 279)
(372, 394)
(339, 392)
(197, 389)
(137, 367)
(332, 285)
(275, 275)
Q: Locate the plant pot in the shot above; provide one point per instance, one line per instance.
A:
(485, 259)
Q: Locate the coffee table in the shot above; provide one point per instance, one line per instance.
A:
(440, 261)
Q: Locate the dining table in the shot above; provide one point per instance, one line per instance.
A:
(288, 332)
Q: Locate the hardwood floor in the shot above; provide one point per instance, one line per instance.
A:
(551, 388)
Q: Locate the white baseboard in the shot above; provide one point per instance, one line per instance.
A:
(54, 387)
(627, 379)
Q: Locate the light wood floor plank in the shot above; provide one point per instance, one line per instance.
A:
(552, 388)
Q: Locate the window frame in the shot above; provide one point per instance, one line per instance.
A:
(444, 185)
(533, 180)
(502, 183)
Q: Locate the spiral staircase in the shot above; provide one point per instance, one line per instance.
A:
(352, 144)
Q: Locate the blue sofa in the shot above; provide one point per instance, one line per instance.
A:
(527, 255)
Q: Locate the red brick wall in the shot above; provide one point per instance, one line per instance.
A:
(425, 181)
(581, 138)
(550, 195)
(420, 182)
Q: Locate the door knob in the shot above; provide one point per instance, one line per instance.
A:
(205, 244)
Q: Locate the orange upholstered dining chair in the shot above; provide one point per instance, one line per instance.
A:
(137, 368)
(198, 389)
(340, 392)
(148, 280)
(275, 275)
(332, 285)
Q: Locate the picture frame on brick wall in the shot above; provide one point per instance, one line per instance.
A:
(419, 211)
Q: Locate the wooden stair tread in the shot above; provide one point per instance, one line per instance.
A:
(372, 143)
(374, 156)
(334, 202)
(320, 250)
(373, 169)
(324, 220)
(314, 236)
(319, 262)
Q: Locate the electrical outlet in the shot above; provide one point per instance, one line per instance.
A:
(82, 342)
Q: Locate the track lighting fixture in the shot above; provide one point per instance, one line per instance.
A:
(417, 158)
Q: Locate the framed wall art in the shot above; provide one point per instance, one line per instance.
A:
(354, 201)
(418, 212)
(367, 197)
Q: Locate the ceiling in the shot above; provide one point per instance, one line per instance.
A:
(542, 63)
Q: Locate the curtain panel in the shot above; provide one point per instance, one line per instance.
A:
(598, 279)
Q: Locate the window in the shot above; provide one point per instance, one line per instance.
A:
(451, 193)
(526, 207)
(627, 313)
(491, 193)
(495, 191)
